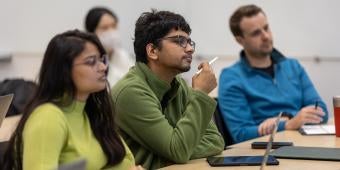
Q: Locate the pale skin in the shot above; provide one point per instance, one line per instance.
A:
(257, 42)
(171, 59)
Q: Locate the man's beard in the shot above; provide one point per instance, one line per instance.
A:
(185, 69)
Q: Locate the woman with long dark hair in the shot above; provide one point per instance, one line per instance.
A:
(71, 115)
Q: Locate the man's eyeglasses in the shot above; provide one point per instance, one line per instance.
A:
(181, 41)
(94, 60)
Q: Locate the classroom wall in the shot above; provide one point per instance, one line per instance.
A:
(301, 28)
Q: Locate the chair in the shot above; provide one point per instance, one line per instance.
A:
(221, 126)
(3, 148)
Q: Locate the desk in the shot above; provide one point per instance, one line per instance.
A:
(8, 126)
(244, 148)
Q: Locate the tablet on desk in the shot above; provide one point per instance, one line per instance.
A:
(240, 161)
(275, 145)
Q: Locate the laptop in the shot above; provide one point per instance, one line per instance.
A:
(5, 102)
(270, 142)
(75, 165)
(307, 153)
(248, 160)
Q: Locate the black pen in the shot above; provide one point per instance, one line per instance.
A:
(316, 104)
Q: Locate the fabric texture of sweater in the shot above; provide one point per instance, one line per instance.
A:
(54, 136)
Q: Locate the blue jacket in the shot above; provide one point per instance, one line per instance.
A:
(248, 96)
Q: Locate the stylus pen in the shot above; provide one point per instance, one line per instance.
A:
(316, 105)
(210, 62)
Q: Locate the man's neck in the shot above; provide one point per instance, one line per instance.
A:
(163, 74)
(259, 61)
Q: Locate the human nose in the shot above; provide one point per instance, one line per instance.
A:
(102, 66)
(265, 34)
(190, 47)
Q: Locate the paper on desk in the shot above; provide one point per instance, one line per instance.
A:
(318, 130)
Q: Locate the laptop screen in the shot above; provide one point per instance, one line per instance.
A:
(5, 102)
(270, 142)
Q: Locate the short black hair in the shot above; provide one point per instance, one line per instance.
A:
(151, 26)
(94, 15)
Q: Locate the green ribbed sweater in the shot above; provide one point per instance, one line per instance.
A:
(54, 136)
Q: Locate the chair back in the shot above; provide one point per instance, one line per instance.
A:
(221, 126)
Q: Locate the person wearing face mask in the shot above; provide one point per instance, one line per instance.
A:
(104, 23)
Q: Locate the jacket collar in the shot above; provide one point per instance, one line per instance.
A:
(276, 56)
(158, 86)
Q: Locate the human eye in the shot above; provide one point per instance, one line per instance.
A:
(104, 59)
(256, 33)
(266, 28)
(91, 61)
(183, 40)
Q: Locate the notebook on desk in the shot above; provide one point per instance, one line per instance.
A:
(5, 102)
(317, 130)
(309, 153)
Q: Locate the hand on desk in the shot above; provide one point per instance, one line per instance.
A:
(307, 114)
(267, 126)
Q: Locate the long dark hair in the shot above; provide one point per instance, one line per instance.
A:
(54, 82)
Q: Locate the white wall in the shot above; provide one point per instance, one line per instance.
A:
(301, 28)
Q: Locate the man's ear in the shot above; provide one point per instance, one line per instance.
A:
(151, 51)
(239, 40)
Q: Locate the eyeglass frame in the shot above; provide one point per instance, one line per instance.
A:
(104, 59)
(176, 39)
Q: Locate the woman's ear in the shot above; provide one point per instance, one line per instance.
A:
(152, 51)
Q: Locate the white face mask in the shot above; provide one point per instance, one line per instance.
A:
(110, 39)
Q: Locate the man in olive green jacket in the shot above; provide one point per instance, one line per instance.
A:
(162, 119)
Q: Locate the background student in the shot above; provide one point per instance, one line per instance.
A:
(104, 23)
(71, 114)
(264, 82)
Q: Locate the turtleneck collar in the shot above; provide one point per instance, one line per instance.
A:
(76, 107)
(159, 86)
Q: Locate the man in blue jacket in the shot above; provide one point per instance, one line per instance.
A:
(264, 83)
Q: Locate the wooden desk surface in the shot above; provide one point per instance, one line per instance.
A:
(8, 126)
(244, 148)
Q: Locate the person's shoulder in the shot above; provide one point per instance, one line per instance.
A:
(45, 117)
(47, 108)
(233, 70)
(131, 84)
(47, 112)
(131, 78)
(291, 62)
